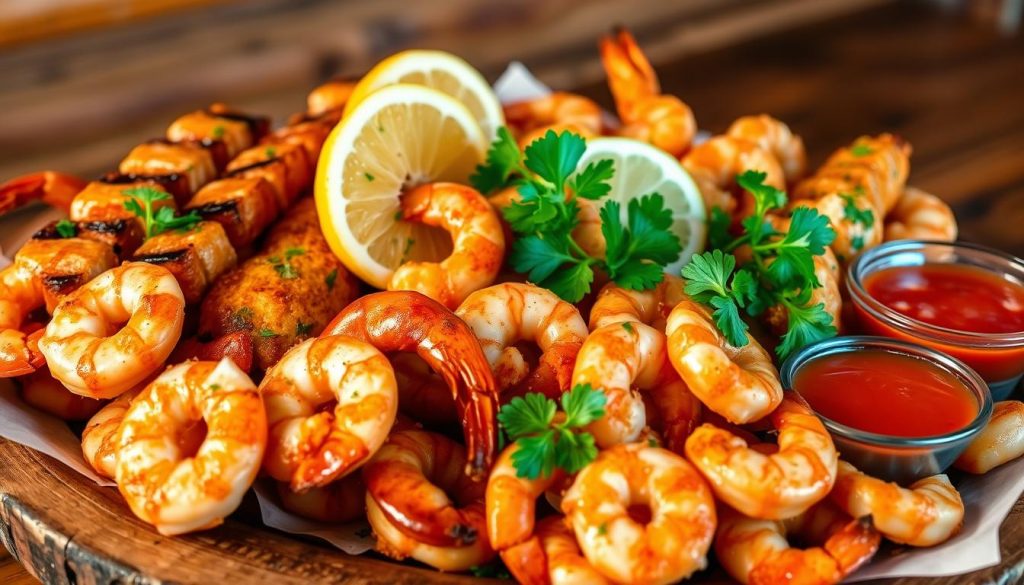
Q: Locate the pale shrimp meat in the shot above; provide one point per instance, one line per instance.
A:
(878, 165)
(112, 333)
(159, 157)
(505, 314)
(180, 491)
(478, 243)
(919, 215)
(559, 112)
(330, 404)
(715, 164)
(100, 437)
(775, 137)
(405, 321)
(739, 383)
(420, 504)
(774, 485)
(1001, 441)
(557, 559)
(642, 515)
(616, 304)
(927, 512)
(42, 392)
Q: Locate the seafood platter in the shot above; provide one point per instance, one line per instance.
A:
(528, 339)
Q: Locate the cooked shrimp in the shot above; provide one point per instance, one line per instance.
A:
(408, 486)
(853, 216)
(338, 502)
(330, 404)
(41, 391)
(919, 215)
(829, 294)
(20, 294)
(181, 491)
(606, 506)
(422, 393)
(142, 299)
(328, 96)
(739, 383)
(53, 188)
(616, 304)
(757, 552)
(877, 164)
(557, 559)
(775, 137)
(100, 437)
(404, 321)
(622, 358)
(771, 486)
(478, 244)
(505, 314)
(715, 164)
(926, 513)
(647, 114)
(1001, 441)
(559, 111)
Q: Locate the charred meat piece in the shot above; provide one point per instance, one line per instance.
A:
(62, 265)
(196, 256)
(122, 235)
(245, 207)
(166, 158)
(285, 166)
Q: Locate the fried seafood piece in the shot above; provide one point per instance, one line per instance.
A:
(287, 167)
(288, 292)
(196, 256)
(243, 207)
(183, 159)
(236, 131)
(103, 201)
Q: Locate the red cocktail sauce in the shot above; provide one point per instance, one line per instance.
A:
(956, 297)
(886, 393)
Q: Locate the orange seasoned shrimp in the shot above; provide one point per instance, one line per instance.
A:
(505, 314)
(558, 559)
(775, 137)
(771, 486)
(919, 215)
(757, 552)
(878, 165)
(404, 321)
(53, 188)
(41, 391)
(616, 304)
(622, 358)
(559, 111)
(642, 515)
(332, 95)
(739, 383)
(853, 216)
(478, 243)
(829, 294)
(84, 346)
(410, 485)
(330, 404)
(511, 503)
(926, 513)
(338, 502)
(647, 114)
(100, 437)
(715, 164)
(178, 490)
(1001, 441)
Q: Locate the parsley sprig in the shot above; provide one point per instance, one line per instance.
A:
(547, 175)
(546, 441)
(163, 219)
(780, 271)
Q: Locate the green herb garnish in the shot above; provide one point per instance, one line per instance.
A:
(163, 219)
(66, 228)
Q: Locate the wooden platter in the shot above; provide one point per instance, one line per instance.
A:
(66, 530)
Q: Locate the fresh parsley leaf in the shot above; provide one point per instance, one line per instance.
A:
(728, 320)
(163, 219)
(527, 415)
(293, 252)
(554, 157)
(718, 228)
(573, 451)
(854, 214)
(218, 131)
(861, 150)
(635, 256)
(539, 258)
(571, 284)
(806, 325)
(592, 182)
(583, 405)
(765, 196)
(265, 332)
(331, 278)
(66, 228)
(707, 275)
(269, 152)
(535, 456)
(503, 162)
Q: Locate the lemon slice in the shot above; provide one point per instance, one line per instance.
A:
(399, 136)
(441, 71)
(641, 169)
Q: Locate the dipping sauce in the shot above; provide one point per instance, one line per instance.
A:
(886, 393)
(953, 296)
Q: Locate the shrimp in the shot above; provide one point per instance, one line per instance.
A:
(504, 314)
(620, 356)
(422, 393)
(739, 383)
(642, 515)
(919, 215)
(53, 188)
(100, 437)
(775, 137)
(180, 491)
(647, 114)
(80, 348)
(1001, 441)
(829, 294)
(408, 484)
(926, 513)
(330, 404)
(756, 552)
(715, 164)
(770, 486)
(616, 304)
(558, 559)
(478, 243)
(404, 321)
(559, 111)
(42, 392)
(332, 95)
(511, 503)
(338, 502)
(852, 214)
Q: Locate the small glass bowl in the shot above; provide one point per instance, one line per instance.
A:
(899, 459)
(997, 357)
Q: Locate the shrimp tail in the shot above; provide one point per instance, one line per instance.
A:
(854, 544)
(336, 454)
(53, 188)
(630, 75)
(475, 393)
(527, 562)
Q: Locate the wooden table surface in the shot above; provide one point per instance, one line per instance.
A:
(954, 88)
